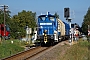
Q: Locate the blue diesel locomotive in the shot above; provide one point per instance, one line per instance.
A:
(48, 31)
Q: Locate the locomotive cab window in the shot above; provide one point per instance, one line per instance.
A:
(51, 18)
(43, 17)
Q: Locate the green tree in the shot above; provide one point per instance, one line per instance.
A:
(86, 22)
(20, 21)
(7, 17)
(57, 16)
(1, 16)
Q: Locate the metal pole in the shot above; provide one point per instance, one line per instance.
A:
(71, 34)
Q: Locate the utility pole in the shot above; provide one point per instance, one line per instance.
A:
(4, 7)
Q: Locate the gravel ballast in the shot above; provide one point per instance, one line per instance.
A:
(55, 53)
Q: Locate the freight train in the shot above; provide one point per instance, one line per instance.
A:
(7, 31)
(50, 30)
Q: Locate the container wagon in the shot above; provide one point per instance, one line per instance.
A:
(67, 30)
(64, 29)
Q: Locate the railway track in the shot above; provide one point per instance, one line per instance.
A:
(32, 53)
(25, 55)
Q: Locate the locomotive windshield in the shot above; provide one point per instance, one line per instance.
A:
(42, 17)
(51, 18)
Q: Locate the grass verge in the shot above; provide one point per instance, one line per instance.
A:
(7, 48)
(79, 51)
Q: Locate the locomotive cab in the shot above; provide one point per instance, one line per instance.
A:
(47, 30)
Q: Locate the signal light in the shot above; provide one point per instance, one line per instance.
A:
(66, 12)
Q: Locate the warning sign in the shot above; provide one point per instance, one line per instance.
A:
(88, 30)
(28, 31)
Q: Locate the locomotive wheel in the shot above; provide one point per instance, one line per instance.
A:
(42, 44)
(52, 43)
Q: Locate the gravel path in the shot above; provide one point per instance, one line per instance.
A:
(55, 53)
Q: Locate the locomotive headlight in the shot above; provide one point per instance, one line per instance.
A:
(43, 33)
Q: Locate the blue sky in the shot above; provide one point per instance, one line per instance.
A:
(78, 8)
